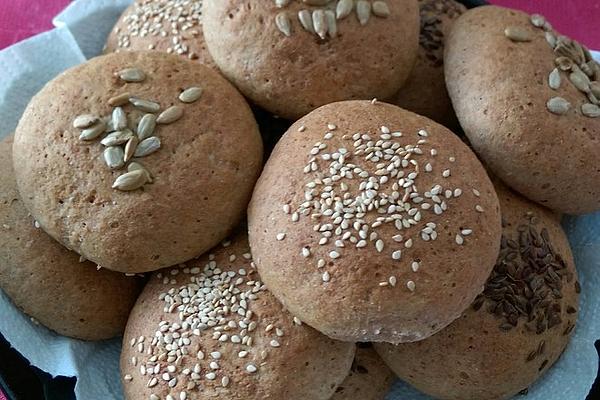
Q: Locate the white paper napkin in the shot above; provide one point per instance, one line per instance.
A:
(81, 31)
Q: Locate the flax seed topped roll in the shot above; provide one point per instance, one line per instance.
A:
(50, 283)
(425, 90)
(292, 56)
(516, 329)
(137, 160)
(371, 223)
(369, 377)
(528, 99)
(172, 26)
(210, 330)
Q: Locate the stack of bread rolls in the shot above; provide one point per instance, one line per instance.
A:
(422, 242)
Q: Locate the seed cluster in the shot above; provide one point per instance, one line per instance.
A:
(432, 38)
(131, 136)
(321, 16)
(353, 191)
(527, 281)
(210, 302)
(178, 20)
(573, 60)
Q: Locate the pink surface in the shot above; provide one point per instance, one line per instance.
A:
(575, 18)
(20, 19)
(2, 397)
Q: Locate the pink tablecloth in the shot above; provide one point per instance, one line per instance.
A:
(20, 19)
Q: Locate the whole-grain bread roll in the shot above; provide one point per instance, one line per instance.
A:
(371, 223)
(170, 180)
(50, 283)
(516, 329)
(172, 26)
(369, 377)
(425, 90)
(291, 57)
(527, 99)
(209, 329)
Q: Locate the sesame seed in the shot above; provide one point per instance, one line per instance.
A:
(286, 208)
(331, 127)
(297, 321)
(210, 376)
(459, 239)
(305, 252)
(411, 286)
(392, 280)
(383, 283)
(423, 133)
(251, 368)
(396, 255)
(385, 129)
(479, 208)
(274, 343)
(408, 244)
(466, 232)
(215, 355)
(415, 266)
(446, 173)
(128, 378)
(334, 254)
(325, 276)
(280, 236)
(476, 192)
(302, 128)
(320, 263)
(379, 245)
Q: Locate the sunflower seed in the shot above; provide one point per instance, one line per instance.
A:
(331, 23)
(113, 156)
(344, 8)
(130, 148)
(381, 9)
(363, 11)
(85, 121)
(145, 105)
(580, 80)
(586, 68)
(590, 110)
(119, 100)
(305, 19)
(146, 126)
(558, 105)
(283, 24)
(517, 34)
(564, 63)
(130, 181)
(551, 39)
(190, 95)
(132, 75)
(93, 132)
(147, 147)
(538, 20)
(170, 115)
(119, 119)
(117, 138)
(554, 79)
(135, 166)
(595, 88)
(319, 22)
